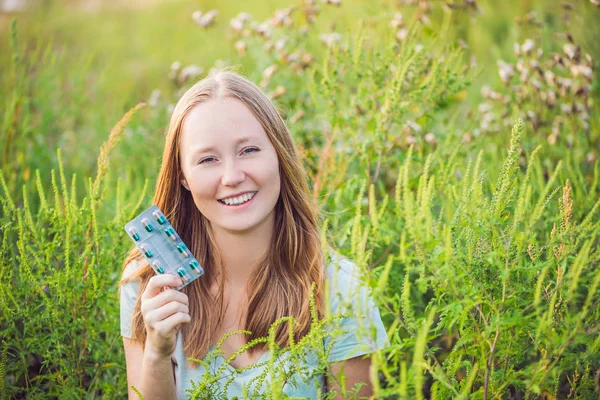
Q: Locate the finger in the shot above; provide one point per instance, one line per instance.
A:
(166, 311)
(149, 304)
(157, 282)
(166, 326)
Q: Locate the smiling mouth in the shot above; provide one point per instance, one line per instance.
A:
(239, 200)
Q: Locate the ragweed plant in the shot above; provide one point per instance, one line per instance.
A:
(480, 244)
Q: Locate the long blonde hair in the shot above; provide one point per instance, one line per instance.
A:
(281, 286)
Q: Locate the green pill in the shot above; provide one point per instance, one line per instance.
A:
(134, 234)
(182, 250)
(146, 251)
(147, 225)
(194, 265)
(158, 268)
(170, 233)
(182, 274)
(159, 217)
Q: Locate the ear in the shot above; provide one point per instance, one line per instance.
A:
(185, 184)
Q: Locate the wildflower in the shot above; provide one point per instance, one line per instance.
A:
(565, 108)
(401, 34)
(236, 24)
(278, 92)
(174, 72)
(330, 38)
(484, 108)
(430, 139)
(549, 77)
(294, 57)
(190, 72)
(571, 51)
(244, 17)
(414, 126)
(196, 15)
(551, 98)
(280, 44)
(263, 29)
(397, 22)
(473, 62)
(154, 98)
(282, 17)
(536, 84)
(206, 20)
(240, 47)
(296, 117)
(506, 71)
(269, 71)
(517, 49)
(307, 59)
(528, 46)
(170, 108)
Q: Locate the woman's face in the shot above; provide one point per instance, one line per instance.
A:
(229, 165)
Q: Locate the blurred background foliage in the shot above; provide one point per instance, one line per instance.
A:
(480, 244)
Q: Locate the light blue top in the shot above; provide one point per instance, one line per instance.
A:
(349, 296)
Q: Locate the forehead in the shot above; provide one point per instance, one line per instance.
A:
(220, 119)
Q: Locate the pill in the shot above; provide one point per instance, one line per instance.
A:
(158, 268)
(147, 225)
(159, 217)
(146, 250)
(171, 233)
(134, 234)
(182, 250)
(183, 275)
(194, 266)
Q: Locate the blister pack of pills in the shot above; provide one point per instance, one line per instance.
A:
(162, 247)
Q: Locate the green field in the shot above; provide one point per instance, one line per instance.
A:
(452, 147)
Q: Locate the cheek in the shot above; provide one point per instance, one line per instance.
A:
(201, 185)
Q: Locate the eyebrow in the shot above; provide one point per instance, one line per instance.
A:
(209, 149)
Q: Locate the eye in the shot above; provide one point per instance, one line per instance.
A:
(251, 150)
(206, 160)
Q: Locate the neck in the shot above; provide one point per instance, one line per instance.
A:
(242, 250)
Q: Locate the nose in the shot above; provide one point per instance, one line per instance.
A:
(233, 175)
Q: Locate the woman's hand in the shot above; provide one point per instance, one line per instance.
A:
(163, 313)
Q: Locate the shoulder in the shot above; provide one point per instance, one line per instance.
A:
(341, 271)
(129, 286)
(130, 269)
(344, 281)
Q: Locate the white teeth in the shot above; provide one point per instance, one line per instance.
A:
(238, 200)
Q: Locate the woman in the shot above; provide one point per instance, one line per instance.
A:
(233, 187)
